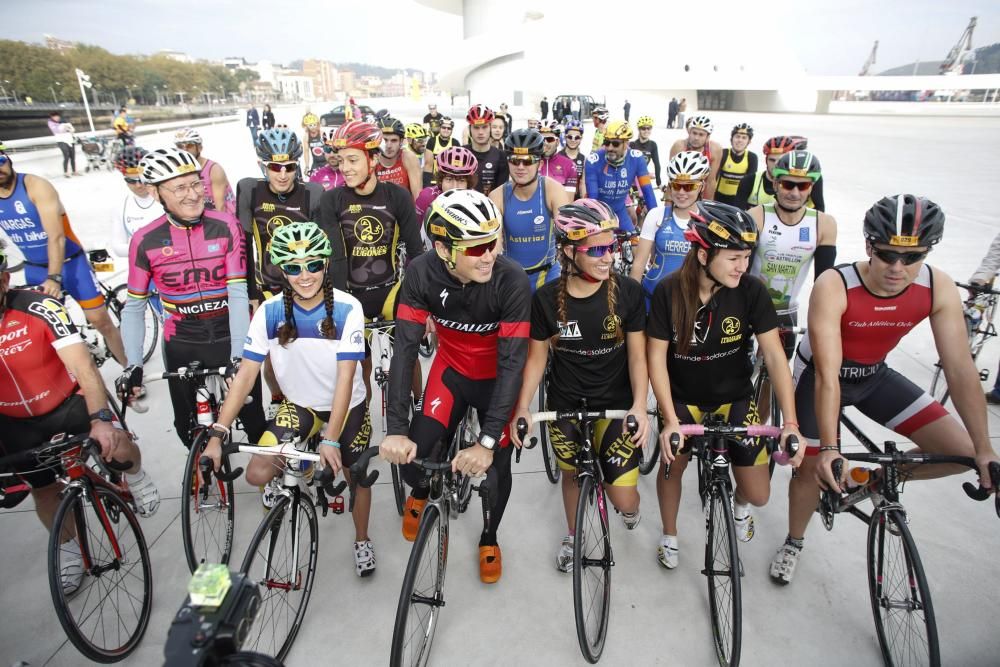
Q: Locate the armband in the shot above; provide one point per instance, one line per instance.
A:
(330, 443)
(830, 448)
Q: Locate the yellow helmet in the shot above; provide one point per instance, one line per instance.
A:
(644, 121)
(415, 131)
(618, 129)
(310, 119)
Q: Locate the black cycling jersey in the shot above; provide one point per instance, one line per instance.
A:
(492, 169)
(652, 153)
(717, 367)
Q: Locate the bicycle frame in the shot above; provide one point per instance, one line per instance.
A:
(381, 337)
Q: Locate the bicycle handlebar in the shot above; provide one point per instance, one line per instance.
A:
(63, 442)
(772, 433)
(522, 425)
(977, 289)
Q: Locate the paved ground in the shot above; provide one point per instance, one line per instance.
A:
(658, 617)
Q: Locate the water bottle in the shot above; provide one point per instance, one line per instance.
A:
(203, 406)
(858, 477)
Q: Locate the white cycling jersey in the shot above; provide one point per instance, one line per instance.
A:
(131, 214)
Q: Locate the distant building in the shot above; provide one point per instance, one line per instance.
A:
(296, 88)
(60, 45)
(347, 81)
(235, 62)
(179, 56)
(325, 78)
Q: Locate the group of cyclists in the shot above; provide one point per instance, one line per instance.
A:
(508, 256)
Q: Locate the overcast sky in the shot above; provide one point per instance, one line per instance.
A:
(826, 36)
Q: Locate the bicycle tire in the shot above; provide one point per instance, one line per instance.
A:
(207, 523)
(421, 596)
(722, 570)
(939, 386)
(398, 487)
(80, 610)
(552, 470)
(649, 455)
(895, 570)
(591, 569)
(115, 302)
(279, 581)
(465, 436)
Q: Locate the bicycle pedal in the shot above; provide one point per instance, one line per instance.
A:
(337, 505)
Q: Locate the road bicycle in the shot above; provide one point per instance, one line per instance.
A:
(763, 391)
(980, 311)
(380, 339)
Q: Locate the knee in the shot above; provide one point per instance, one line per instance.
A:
(259, 475)
(757, 497)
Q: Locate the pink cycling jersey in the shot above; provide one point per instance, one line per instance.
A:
(328, 177)
(561, 169)
(229, 206)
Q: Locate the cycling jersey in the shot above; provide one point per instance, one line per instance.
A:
(33, 379)
(598, 141)
(666, 232)
(22, 224)
(315, 146)
(705, 150)
(652, 153)
(611, 184)
(736, 178)
(783, 255)
(560, 169)
(492, 171)
(328, 177)
(306, 368)
(433, 122)
(130, 216)
(528, 234)
(394, 173)
(763, 192)
(229, 205)
(579, 162)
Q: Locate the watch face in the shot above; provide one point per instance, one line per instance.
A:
(487, 441)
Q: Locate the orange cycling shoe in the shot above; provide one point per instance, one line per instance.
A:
(490, 564)
(412, 511)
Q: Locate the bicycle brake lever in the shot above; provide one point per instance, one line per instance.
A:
(118, 466)
(675, 443)
(982, 493)
(631, 424)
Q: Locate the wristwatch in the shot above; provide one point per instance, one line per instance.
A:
(487, 442)
(104, 415)
(55, 277)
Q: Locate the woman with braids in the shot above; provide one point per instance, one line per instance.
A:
(592, 320)
(314, 336)
(701, 324)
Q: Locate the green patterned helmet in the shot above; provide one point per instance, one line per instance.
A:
(801, 164)
(298, 241)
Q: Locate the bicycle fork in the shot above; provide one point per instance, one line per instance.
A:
(79, 489)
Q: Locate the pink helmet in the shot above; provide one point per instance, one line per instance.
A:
(583, 218)
(457, 161)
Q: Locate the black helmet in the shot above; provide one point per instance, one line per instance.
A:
(523, 142)
(722, 227)
(390, 125)
(904, 220)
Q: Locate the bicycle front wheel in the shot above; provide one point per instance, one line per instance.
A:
(119, 296)
(901, 599)
(552, 470)
(282, 560)
(422, 595)
(207, 513)
(106, 616)
(592, 562)
(939, 386)
(723, 570)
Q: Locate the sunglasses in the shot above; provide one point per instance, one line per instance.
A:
(294, 269)
(645, 127)
(477, 250)
(278, 167)
(550, 140)
(574, 137)
(4, 159)
(133, 181)
(801, 186)
(522, 161)
(599, 251)
(891, 257)
(329, 149)
(684, 187)
(614, 143)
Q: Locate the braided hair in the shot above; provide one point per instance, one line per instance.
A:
(569, 268)
(288, 331)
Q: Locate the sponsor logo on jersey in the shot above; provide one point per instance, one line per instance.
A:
(19, 207)
(444, 296)
(357, 338)
(539, 220)
(488, 165)
(53, 312)
(267, 207)
(276, 221)
(368, 230)
(468, 327)
(13, 335)
(570, 330)
(804, 235)
(731, 325)
(354, 208)
(14, 348)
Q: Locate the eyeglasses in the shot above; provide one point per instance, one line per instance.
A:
(801, 186)
(522, 161)
(194, 187)
(550, 140)
(891, 256)
(133, 181)
(477, 250)
(278, 167)
(574, 137)
(614, 143)
(599, 251)
(295, 269)
(329, 149)
(685, 186)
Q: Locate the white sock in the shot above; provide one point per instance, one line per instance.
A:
(669, 541)
(740, 510)
(135, 478)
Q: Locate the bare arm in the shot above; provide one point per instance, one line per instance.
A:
(784, 389)
(635, 342)
(219, 185)
(46, 200)
(412, 166)
(534, 369)
(827, 229)
(640, 258)
(713, 174)
(657, 350)
(827, 304)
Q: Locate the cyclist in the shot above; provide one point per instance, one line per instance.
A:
(699, 132)
(763, 187)
(701, 323)
(197, 258)
(984, 275)
(313, 335)
(594, 322)
(456, 167)
(612, 170)
(600, 117)
(122, 128)
(573, 133)
(34, 219)
(508, 121)
(394, 164)
(212, 175)
(50, 385)
(498, 132)
(857, 315)
(439, 142)
(416, 141)
(738, 169)
(314, 144)
(663, 243)
(555, 166)
(528, 204)
(479, 303)
(433, 120)
(493, 170)
(647, 145)
(139, 207)
(329, 175)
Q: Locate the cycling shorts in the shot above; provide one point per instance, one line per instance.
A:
(20, 435)
(885, 397)
(304, 423)
(79, 280)
(744, 451)
(618, 455)
(377, 301)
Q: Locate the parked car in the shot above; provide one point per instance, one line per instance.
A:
(335, 116)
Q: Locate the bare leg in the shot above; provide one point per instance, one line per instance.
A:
(101, 321)
(668, 492)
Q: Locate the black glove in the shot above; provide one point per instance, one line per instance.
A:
(130, 379)
(232, 368)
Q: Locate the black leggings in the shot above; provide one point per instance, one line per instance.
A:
(182, 393)
(69, 156)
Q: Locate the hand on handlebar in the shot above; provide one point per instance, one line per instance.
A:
(671, 433)
(983, 461)
(824, 472)
(213, 450)
(515, 436)
(788, 431)
(110, 439)
(473, 461)
(398, 449)
(638, 413)
(331, 457)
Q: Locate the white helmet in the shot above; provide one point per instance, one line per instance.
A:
(700, 122)
(166, 163)
(463, 215)
(187, 136)
(688, 166)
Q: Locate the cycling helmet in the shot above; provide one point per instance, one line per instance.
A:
(719, 226)
(328, 136)
(128, 160)
(551, 127)
(457, 161)
(479, 114)
(357, 134)
(447, 122)
(801, 164)
(904, 220)
(310, 119)
(276, 145)
(573, 124)
(688, 166)
(166, 163)
(463, 215)
(523, 142)
(186, 136)
(3, 146)
(600, 113)
(744, 128)
(297, 241)
(700, 122)
(618, 129)
(381, 113)
(584, 217)
(644, 121)
(783, 144)
(390, 125)
(415, 131)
